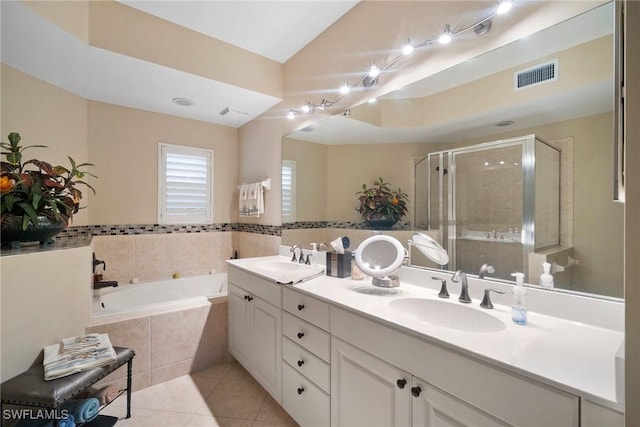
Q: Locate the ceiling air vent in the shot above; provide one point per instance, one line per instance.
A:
(540, 73)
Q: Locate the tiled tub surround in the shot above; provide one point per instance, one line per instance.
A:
(149, 257)
(171, 344)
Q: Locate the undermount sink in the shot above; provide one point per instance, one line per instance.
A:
(282, 266)
(447, 314)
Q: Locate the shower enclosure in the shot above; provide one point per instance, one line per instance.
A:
(493, 203)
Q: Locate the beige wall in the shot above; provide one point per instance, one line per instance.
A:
(311, 178)
(45, 296)
(123, 143)
(44, 114)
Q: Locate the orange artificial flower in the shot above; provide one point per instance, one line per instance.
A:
(6, 184)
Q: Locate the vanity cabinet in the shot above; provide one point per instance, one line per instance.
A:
(453, 387)
(306, 354)
(367, 391)
(255, 328)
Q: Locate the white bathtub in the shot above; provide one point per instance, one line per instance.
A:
(144, 299)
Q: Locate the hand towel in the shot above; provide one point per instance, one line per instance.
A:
(58, 364)
(83, 410)
(253, 205)
(67, 422)
(106, 394)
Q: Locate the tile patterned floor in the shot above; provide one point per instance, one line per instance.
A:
(225, 396)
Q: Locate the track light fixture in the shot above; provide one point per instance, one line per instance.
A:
(370, 79)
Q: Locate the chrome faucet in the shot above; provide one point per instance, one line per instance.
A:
(294, 258)
(461, 276)
(486, 268)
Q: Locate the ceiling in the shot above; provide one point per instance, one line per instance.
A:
(587, 100)
(274, 29)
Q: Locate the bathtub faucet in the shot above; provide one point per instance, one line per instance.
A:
(105, 284)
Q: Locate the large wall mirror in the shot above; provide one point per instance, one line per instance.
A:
(429, 135)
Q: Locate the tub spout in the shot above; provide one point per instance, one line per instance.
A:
(105, 284)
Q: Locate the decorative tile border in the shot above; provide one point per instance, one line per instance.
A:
(406, 225)
(270, 230)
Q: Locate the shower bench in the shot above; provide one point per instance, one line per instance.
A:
(30, 388)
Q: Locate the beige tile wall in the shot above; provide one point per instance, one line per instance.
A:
(170, 345)
(158, 256)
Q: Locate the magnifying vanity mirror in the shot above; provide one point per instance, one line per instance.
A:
(423, 135)
(379, 256)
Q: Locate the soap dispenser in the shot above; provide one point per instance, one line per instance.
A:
(313, 255)
(519, 309)
(546, 279)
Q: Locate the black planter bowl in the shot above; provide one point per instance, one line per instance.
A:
(12, 232)
(381, 223)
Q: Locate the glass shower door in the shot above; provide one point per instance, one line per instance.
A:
(487, 209)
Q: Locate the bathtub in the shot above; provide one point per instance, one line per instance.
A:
(145, 299)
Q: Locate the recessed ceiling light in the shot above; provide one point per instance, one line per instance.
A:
(183, 102)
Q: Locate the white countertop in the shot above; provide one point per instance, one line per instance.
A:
(576, 357)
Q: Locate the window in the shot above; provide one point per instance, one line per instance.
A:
(185, 182)
(288, 191)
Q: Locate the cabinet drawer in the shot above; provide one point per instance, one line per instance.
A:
(268, 291)
(306, 335)
(306, 363)
(303, 400)
(308, 308)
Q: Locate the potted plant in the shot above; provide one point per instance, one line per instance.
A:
(380, 206)
(37, 200)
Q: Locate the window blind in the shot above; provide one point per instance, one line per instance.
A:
(288, 191)
(186, 185)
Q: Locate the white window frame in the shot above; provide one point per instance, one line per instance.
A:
(289, 217)
(163, 216)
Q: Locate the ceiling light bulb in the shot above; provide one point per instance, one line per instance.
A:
(504, 6)
(345, 89)
(374, 72)
(373, 100)
(306, 108)
(445, 38)
(408, 48)
(291, 115)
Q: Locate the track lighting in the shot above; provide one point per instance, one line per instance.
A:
(504, 6)
(445, 38)
(408, 48)
(371, 77)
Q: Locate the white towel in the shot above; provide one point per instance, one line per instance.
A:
(253, 205)
(58, 364)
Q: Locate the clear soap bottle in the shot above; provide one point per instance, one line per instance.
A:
(519, 308)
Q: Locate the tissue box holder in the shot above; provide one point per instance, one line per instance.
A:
(339, 265)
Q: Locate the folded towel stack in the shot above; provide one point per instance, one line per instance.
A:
(80, 343)
(58, 363)
(83, 410)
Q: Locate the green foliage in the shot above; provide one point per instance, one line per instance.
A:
(380, 201)
(36, 188)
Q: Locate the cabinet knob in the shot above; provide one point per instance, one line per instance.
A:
(300, 362)
(300, 390)
(415, 391)
(300, 307)
(401, 383)
(300, 335)
(246, 297)
(249, 298)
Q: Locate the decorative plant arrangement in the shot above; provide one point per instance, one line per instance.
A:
(33, 193)
(380, 206)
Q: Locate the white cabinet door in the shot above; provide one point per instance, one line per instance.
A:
(365, 391)
(267, 346)
(240, 323)
(432, 407)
